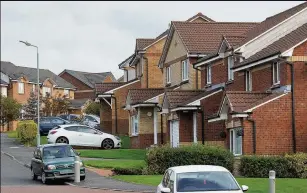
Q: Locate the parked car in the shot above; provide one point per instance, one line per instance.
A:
(82, 135)
(73, 118)
(54, 161)
(47, 123)
(199, 178)
(92, 121)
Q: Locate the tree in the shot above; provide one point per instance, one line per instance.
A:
(10, 109)
(31, 107)
(92, 108)
(55, 105)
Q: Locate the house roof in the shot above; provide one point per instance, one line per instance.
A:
(178, 98)
(283, 44)
(138, 96)
(200, 15)
(3, 82)
(272, 21)
(15, 72)
(77, 103)
(241, 101)
(142, 43)
(121, 79)
(126, 60)
(89, 78)
(104, 87)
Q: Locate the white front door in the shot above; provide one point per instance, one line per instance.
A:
(174, 126)
(236, 141)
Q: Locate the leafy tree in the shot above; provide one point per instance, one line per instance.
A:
(55, 105)
(10, 109)
(47, 105)
(92, 108)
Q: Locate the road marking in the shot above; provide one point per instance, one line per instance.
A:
(14, 147)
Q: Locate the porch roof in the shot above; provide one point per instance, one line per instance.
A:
(140, 96)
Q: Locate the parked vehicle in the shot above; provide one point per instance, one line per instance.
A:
(92, 121)
(199, 178)
(82, 135)
(73, 118)
(47, 123)
(54, 161)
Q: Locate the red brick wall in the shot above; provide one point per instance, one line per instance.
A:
(106, 117)
(262, 80)
(85, 95)
(300, 50)
(186, 127)
(72, 80)
(143, 141)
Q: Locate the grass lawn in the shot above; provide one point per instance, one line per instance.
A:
(13, 134)
(110, 164)
(256, 185)
(132, 154)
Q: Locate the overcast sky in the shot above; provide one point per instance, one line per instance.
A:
(97, 36)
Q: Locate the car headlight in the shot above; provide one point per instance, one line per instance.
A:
(81, 164)
(51, 167)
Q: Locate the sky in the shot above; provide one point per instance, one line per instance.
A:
(97, 36)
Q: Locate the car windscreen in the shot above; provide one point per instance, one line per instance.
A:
(206, 181)
(53, 152)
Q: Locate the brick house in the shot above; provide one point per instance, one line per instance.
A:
(255, 113)
(85, 82)
(188, 42)
(22, 80)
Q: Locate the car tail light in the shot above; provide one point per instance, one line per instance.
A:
(52, 132)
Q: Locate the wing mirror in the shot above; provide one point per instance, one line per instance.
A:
(78, 153)
(244, 188)
(165, 190)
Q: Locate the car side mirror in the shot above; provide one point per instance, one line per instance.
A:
(244, 188)
(78, 153)
(165, 190)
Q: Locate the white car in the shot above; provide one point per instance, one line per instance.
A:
(82, 135)
(200, 179)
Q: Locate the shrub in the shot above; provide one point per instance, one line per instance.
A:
(288, 166)
(127, 171)
(27, 131)
(161, 158)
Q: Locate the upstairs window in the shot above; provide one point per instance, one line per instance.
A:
(66, 93)
(209, 74)
(184, 70)
(168, 75)
(248, 80)
(46, 91)
(21, 88)
(230, 65)
(276, 73)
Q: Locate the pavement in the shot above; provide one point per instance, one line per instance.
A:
(23, 155)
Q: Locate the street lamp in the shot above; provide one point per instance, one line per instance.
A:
(38, 124)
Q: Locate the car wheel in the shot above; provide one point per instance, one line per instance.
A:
(34, 177)
(107, 144)
(44, 180)
(82, 178)
(62, 140)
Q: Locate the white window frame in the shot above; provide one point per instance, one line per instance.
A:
(209, 74)
(45, 90)
(248, 81)
(168, 75)
(66, 93)
(232, 141)
(185, 70)
(135, 124)
(33, 87)
(4, 91)
(230, 65)
(21, 88)
(276, 73)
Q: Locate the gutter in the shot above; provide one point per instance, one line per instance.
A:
(293, 103)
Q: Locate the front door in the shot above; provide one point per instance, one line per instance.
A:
(236, 141)
(174, 126)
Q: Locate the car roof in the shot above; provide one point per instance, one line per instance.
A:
(198, 168)
(54, 145)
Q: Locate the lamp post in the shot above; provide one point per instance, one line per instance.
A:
(37, 62)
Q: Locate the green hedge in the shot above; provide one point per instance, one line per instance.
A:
(288, 166)
(161, 158)
(26, 131)
(127, 171)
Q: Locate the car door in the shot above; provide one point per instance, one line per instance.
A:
(74, 135)
(37, 162)
(55, 122)
(45, 125)
(90, 137)
(165, 181)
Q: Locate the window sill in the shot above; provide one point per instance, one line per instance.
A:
(185, 81)
(134, 135)
(229, 82)
(208, 85)
(168, 84)
(275, 86)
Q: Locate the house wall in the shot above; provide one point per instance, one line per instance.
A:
(85, 94)
(105, 117)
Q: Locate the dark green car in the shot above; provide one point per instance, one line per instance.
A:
(54, 161)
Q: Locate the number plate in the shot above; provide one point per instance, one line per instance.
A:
(66, 171)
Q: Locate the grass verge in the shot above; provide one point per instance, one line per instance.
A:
(256, 185)
(13, 134)
(132, 154)
(110, 164)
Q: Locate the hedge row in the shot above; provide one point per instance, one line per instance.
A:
(288, 166)
(26, 131)
(161, 158)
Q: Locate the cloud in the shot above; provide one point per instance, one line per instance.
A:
(97, 36)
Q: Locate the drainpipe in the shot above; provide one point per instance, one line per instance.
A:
(293, 104)
(161, 135)
(254, 133)
(115, 113)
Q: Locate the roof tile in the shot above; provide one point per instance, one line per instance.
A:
(141, 95)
